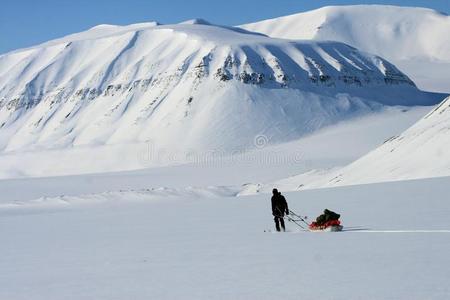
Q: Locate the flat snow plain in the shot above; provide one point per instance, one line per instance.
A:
(141, 245)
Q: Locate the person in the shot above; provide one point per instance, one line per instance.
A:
(279, 208)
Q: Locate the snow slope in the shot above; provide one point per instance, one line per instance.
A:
(181, 85)
(417, 40)
(144, 244)
(332, 146)
(421, 151)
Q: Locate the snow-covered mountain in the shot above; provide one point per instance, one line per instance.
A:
(421, 151)
(191, 85)
(417, 40)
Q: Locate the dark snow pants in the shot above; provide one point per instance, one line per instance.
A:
(278, 221)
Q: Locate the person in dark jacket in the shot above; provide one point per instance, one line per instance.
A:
(279, 208)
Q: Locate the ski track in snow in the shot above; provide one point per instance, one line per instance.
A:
(400, 231)
(362, 231)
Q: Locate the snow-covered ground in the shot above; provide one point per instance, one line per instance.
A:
(136, 162)
(141, 245)
(187, 232)
(330, 147)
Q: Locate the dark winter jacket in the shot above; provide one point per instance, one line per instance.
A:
(279, 205)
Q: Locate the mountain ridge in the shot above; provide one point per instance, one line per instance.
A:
(180, 85)
(416, 40)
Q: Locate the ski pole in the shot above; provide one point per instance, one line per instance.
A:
(295, 222)
(289, 219)
(298, 216)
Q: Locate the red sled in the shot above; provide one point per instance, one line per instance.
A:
(333, 225)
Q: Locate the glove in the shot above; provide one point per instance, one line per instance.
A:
(287, 212)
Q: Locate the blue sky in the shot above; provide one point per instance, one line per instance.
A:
(25, 23)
